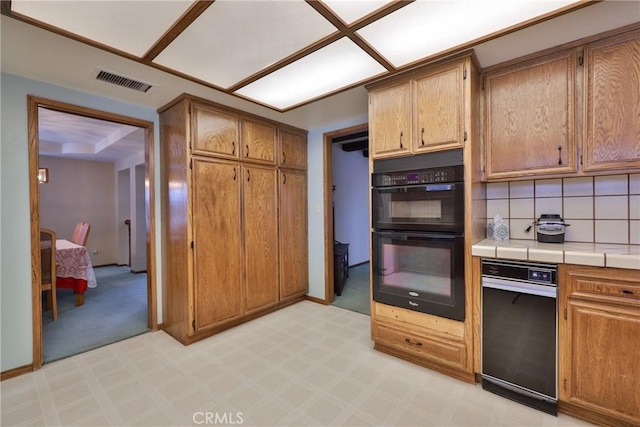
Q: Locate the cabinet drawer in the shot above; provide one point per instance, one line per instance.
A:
(609, 289)
(449, 353)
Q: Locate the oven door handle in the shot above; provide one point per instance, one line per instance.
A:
(520, 287)
(410, 236)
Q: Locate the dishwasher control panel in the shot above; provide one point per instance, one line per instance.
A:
(540, 276)
(537, 273)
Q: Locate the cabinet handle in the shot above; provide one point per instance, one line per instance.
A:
(401, 134)
(247, 150)
(417, 343)
(248, 175)
(284, 175)
(627, 291)
(234, 174)
(233, 148)
(284, 157)
(559, 154)
(422, 137)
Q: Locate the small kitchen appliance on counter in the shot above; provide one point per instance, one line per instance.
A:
(550, 228)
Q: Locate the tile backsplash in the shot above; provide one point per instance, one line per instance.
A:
(600, 209)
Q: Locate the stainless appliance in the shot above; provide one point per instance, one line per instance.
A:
(418, 233)
(519, 332)
(550, 228)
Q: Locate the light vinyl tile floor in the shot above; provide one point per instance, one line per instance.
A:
(305, 365)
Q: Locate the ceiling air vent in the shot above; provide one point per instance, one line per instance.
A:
(115, 79)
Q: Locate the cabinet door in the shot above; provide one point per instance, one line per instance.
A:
(293, 149)
(294, 278)
(390, 121)
(215, 132)
(604, 359)
(612, 124)
(260, 237)
(217, 248)
(258, 141)
(530, 124)
(439, 107)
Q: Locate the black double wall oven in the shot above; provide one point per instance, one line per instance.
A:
(418, 233)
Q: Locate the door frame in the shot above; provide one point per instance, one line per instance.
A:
(329, 238)
(33, 103)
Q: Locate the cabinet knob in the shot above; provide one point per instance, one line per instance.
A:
(248, 175)
(417, 343)
(401, 134)
(234, 174)
(284, 178)
(627, 291)
(284, 157)
(422, 136)
(247, 150)
(233, 148)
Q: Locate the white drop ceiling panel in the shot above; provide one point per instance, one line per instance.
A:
(283, 54)
(233, 40)
(326, 70)
(129, 26)
(352, 10)
(425, 28)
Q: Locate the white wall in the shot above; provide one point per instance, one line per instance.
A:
(315, 190)
(15, 227)
(81, 190)
(351, 202)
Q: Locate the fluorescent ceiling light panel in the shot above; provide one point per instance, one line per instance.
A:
(130, 26)
(427, 27)
(326, 70)
(352, 10)
(233, 40)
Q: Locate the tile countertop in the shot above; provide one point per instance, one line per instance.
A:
(596, 254)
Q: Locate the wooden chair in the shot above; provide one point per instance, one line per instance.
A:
(48, 268)
(81, 233)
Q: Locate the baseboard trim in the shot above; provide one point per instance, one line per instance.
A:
(15, 372)
(316, 300)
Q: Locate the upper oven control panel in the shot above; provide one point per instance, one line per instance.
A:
(422, 176)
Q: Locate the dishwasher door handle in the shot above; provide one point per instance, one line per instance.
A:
(520, 287)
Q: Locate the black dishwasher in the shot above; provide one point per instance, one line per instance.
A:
(519, 332)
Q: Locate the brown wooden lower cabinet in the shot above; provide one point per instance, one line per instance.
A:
(434, 342)
(599, 345)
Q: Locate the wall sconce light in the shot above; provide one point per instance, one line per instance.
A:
(43, 175)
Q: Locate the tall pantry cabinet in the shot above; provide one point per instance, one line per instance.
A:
(234, 223)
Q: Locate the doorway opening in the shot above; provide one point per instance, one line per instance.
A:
(105, 250)
(347, 235)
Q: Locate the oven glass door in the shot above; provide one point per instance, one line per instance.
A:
(420, 271)
(439, 207)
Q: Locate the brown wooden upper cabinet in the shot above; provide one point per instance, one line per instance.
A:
(530, 120)
(612, 124)
(390, 121)
(567, 112)
(439, 109)
(215, 132)
(422, 112)
(293, 149)
(258, 141)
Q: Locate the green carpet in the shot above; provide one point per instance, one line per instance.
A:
(355, 293)
(115, 310)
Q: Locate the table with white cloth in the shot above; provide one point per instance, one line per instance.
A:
(74, 269)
